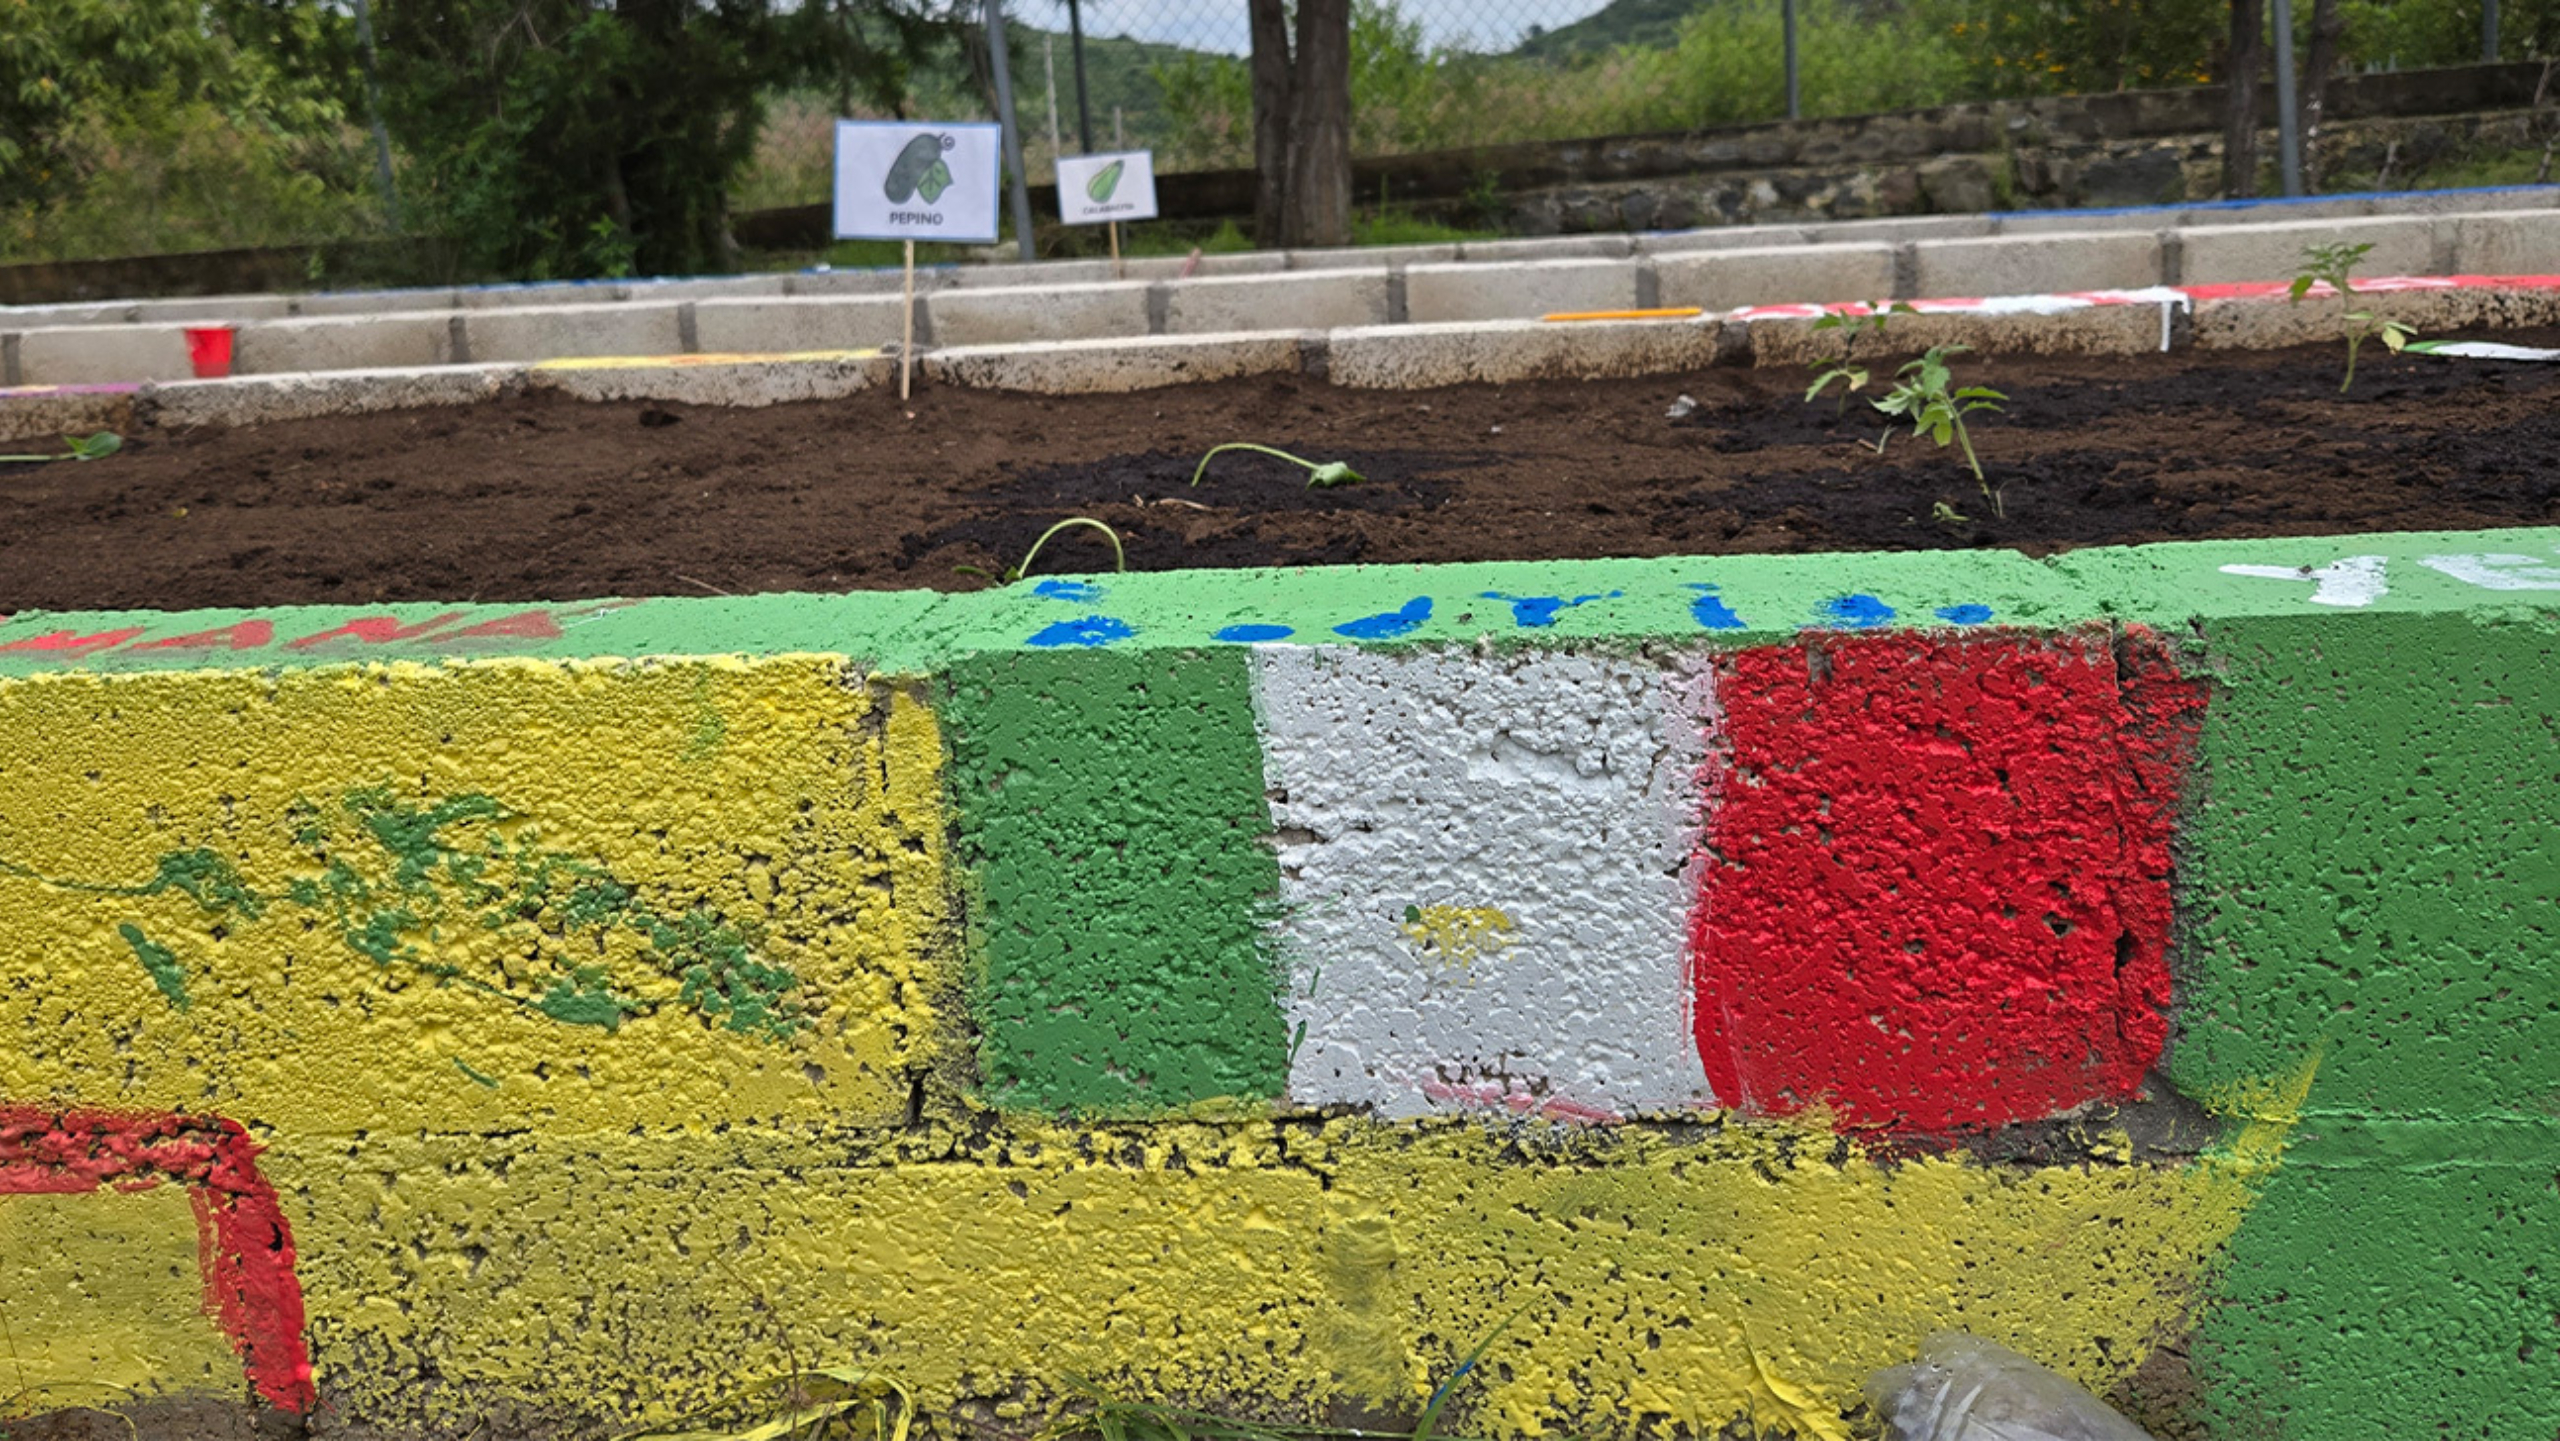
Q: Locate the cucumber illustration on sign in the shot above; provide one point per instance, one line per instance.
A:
(1104, 181)
(919, 168)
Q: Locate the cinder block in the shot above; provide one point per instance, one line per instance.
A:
(1087, 367)
(2085, 330)
(542, 294)
(1316, 298)
(711, 287)
(2257, 323)
(1041, 274)
(258, 399)
(49, 417)
(2231, 254)
(1364, 257)
(1522, 290)
(85, 312)
(868, 282)
(1013, 316)
(1549, 247)
(796, 323)
(374, 302)
(1894, 229)
(2040, 264)
(99, 354)
(748, 384)
(345, 342)
(2516, 242)
(1413, 357)
(1724, 237)
(552, 332)
(208, 309)
(1778, 275)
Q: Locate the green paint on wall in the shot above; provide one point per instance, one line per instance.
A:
(160, 962)
(477, 1078)
(2370, 866)
(1112, 805)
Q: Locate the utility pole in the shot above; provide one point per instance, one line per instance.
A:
(1012, 133)
(373, 113)
(1795, 92)
(2288, 119)
(1075, 42)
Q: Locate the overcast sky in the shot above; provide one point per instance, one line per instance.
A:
(1220, 24)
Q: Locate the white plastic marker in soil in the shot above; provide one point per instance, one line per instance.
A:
(1485, 879)
(916, 180)
(1107, 189)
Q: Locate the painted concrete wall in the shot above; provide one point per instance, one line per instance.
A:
(1253, 987)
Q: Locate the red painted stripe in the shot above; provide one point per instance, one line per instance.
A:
(244, 1247)
(1936, 895)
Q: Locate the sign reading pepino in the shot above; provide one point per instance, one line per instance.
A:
(1097, 189)
(916, 180)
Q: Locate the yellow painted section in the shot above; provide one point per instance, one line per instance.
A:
(784, 805)
(100, 1302)
(1742, 1274)
(1457, 935)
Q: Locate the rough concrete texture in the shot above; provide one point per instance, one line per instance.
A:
(744, 381)
(49, 417)
(2231, 254)
(213, 309)
(347, 342)
(1725, 279)
(1412, 357)
(1019, 315)
(1319, 301)
(2253, 323)
(1516, 290)
(425, 989)
(1482, 867)
(2089, 330)
(2498, 244)
(259, 399)
(553, 332)
(1079, 367)
(367, 302)
(2040, 264)
(769, 326)
(103, 354)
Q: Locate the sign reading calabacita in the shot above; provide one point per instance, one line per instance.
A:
(1096, 188)
(917, 180)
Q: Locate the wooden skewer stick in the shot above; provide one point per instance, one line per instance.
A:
(907, 345)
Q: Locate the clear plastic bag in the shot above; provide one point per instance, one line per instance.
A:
(1964, 1388)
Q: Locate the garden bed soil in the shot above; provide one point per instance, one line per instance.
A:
(543, 498)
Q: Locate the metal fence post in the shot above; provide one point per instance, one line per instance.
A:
(1012, 132)
(2288, 119)
(1795, 92)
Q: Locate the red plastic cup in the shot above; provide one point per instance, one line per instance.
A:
(209, 350)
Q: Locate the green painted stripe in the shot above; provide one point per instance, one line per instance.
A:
(2369, 871)
(1111, 807)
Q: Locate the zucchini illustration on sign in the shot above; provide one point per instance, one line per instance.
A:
(1104, 181)
(919, 169)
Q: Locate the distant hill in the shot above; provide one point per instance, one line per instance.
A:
(1115, 72)
(1649, 23)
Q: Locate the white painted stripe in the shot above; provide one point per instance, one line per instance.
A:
(1485, 871)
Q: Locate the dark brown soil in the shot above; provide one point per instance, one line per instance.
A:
(558, 500)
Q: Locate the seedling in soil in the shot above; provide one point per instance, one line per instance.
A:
(1323, 475)
(1119, 556)
(83, 447)
(2334, 266)
(1922, 395)
(1856, 376)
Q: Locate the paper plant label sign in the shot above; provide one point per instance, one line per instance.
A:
(916, 180)
(1096, 188)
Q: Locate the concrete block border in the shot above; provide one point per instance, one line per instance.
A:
(1133, 977)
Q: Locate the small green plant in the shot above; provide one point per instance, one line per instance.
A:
(1945, 514)
(1119, 555)
(1320, 475)
(1849, 324)
(2334, 266)
(1925, 394)
(83, 447)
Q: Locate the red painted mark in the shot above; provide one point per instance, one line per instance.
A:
(72, 642)
(1936, 895)
(375, 630)
(244, 635)
(245, 1248)
(523, 625)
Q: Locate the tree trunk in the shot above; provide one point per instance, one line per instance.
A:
(1271, 112)
(2241, 66)
(2327, 29)
(1319, 208)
